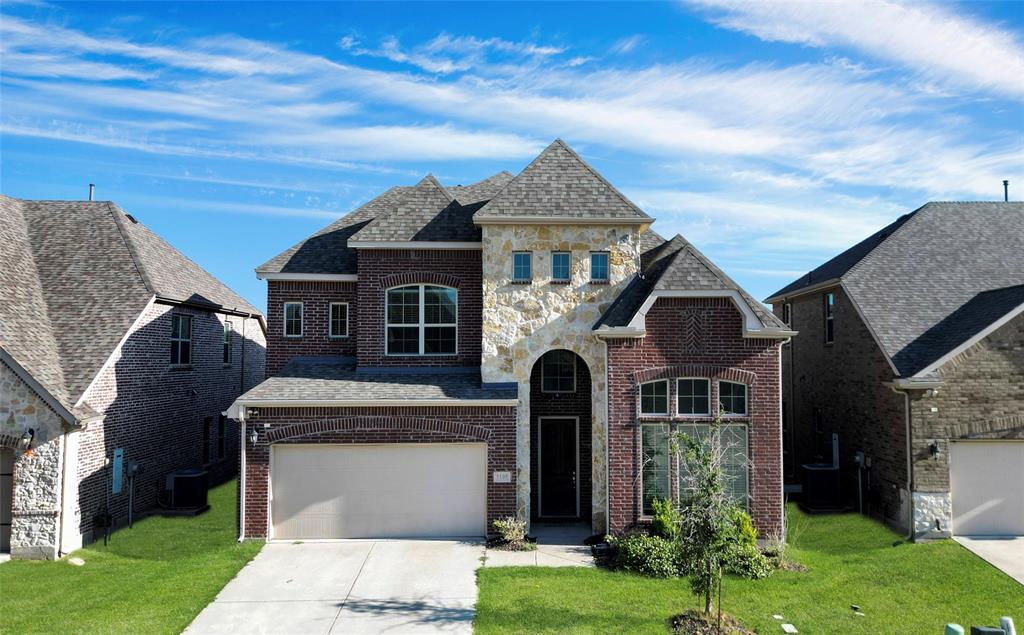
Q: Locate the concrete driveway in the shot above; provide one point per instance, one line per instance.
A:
(1003, 553)
(357, 586)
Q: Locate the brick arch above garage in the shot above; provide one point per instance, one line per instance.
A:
(378, 424)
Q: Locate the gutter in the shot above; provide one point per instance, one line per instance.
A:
(237, 409)
(818, 286)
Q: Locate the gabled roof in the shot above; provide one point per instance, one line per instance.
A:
(482, 190)
(558, 184)
(74, 276)
(424, 212)
(942, 271)
(678, 266)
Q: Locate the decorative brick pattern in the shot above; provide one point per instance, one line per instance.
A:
(379, 424)
(316, 298)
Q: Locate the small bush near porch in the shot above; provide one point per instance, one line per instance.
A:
(153, 578)
(900, 587)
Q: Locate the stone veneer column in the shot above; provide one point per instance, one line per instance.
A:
(521, 322)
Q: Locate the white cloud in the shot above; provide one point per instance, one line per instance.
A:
(626, 44)
(924, 36)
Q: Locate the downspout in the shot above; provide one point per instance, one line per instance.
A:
(241, 479)
(607, 445)
(910, 469)
(63, 489)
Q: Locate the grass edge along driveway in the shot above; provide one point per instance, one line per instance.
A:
(153, 578)
(901, 587)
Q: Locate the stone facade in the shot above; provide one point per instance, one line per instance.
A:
(521, 322)
(316, 298)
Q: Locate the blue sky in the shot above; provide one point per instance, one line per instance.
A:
(771, 135)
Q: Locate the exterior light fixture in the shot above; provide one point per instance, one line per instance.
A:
(933, 449)
(252, 412)
(254, 436)
(26, 441)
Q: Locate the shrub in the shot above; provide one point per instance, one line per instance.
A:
(666, 520)
(743, 558)
(652, 556)
(746, 533)
(510, 529)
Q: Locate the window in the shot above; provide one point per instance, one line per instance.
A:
(293, 319)
(561, 264)
(181, 340)
(733, 397)
(599, 266)
(522, 266)
(421, 320)
(339, 320)
(693, 397)
(654, 398)
(207, 432)
(558, 371)
(222, 424)
(227, 343)
(654, 447)
(829, 309)
(733, 438)
(787, 314)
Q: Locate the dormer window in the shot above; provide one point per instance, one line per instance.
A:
(421, 320)
(561, 266)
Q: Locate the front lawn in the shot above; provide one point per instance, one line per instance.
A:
(901, 587)
(153, 578)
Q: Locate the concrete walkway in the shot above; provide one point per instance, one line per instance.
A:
(357, 586)
(1003, 553)
(557, 546)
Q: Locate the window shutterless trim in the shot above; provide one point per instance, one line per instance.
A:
(666, 429)
(607, 266)
(828, 314)
(529, 265)
(176, 341)
(553, 392)
(229, 329)
(421, 324)
(746, 398)
(640, 398)
(284, 321)
(568, 274)
(679, 394)
(330, 321)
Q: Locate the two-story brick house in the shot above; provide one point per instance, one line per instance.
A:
(443, 356)
(912, 353)
(115, 350)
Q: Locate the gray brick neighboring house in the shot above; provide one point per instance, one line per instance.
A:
(89, 298)
(911, 349)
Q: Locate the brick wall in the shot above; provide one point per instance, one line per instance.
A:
(694, 337)
(381, 425)
(155, 412)
(575, 404)
(843, 382)
(380, 269)
(316, 298)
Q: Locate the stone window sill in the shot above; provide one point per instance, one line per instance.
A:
(560, 281)
(600, 282)
(521, 282)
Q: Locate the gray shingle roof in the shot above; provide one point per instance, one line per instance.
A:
(482, 190)
(333, 379)
(425, 212)
(75, 275)
(559, 184)
(677, 265)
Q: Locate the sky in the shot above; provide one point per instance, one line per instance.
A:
(771, 135)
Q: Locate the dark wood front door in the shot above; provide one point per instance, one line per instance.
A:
(558, 467)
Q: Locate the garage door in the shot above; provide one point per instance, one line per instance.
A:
(987, 487)
(378, 491)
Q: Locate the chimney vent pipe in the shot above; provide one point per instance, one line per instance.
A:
(1006, 191)
(92, 188)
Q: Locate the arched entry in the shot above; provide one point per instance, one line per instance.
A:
(560, 437)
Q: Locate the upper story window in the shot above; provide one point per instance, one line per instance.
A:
(228, 328)
(338, 320)
(181, 340)
(787, 314)
(558, 371)
(733, 397)
(693, 397)
(561, 265)
(293, 319)
(599, 266)
(829, 312)
(522, 266)
(421, 320)
(654, 398)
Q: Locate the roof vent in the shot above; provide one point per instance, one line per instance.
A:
(1006, 191)
(132, 219)
(92, 188)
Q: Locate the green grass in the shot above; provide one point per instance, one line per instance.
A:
(901, 587)
(153, 578)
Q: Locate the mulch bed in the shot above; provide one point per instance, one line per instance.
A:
(695, 622)
(514, 545)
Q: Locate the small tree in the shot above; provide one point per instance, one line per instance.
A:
(706, 525)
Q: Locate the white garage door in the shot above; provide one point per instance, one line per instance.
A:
(987, 487)
(378, 491)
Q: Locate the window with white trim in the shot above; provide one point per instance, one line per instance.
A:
(181, 340)
(693, 396)
(227, 342)
(736, 467)
(522, 266)
(558, 371)
(829, 302)
(561, 266)
(599, 270)
(293, 319)
(421, 320)
(655, 463)
(654, 397)
(338, 320)
(787, 314)
(732, 396)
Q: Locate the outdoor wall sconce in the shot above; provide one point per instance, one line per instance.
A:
(252, 412)
(933, 449)
(254, 436)
(26, 441)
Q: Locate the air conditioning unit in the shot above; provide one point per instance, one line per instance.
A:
(186, 489)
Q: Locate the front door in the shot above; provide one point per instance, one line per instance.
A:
(559, 466)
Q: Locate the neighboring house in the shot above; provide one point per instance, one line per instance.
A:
(113, 347)
(444, 356)
(912, 352)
